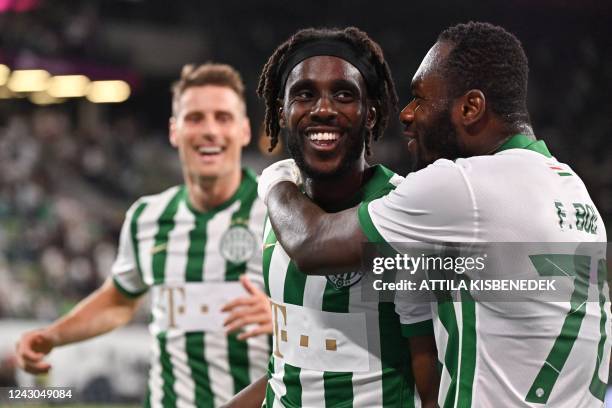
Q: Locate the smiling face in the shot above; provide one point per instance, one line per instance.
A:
(209, 129)
(325, 116)
(427, 119)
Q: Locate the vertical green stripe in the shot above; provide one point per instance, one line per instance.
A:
(134, 235)
(165, 224)
(169, 396)
(238, 362)
(338, 389)
(195, 253)
(397, 378)
(295, 282)
(338, 386)
(598, 387)
(241, 217)
(468, 349)
(291, 379)
(194, 344)
(147, 400)
(267, 258)
(446, 314)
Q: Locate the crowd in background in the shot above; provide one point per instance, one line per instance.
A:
(69, 172)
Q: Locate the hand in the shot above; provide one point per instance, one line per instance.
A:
(252, 309)
(284, 170)
(31, 349)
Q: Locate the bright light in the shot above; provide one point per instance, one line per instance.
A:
(108, 91)
(28, 80)
(68, 86)
(5, 93)
(43, 98)
(4, 74)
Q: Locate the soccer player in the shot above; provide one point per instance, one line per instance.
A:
(189, 245)
(331, 92)
(484, 178)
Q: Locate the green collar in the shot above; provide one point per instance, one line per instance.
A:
(521, 141)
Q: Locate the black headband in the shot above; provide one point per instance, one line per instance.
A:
(330, 47)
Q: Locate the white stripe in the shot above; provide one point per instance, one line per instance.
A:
(458, 313)
(147, 228)
(184, 386)
(257, 347)
(214, 263)
(178, 244)
(155, 380)
(216, 354)
(313, 388)
(279, 262)
(367, 391)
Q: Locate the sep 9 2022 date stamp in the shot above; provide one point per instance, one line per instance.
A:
(20, 395)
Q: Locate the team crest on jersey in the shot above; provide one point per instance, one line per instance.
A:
(238, 244)
(344, 280)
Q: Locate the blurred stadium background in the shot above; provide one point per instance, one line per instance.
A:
(70, 166)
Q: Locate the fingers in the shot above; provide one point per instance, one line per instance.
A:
(239, 302)
(259, 330)
(243, 317)
(248, 285)
(30, 351)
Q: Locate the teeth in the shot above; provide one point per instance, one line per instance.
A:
(324, 136)
(209, 149)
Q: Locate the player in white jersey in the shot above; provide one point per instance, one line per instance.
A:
(189, 245)
(503, 186)
(330, 92)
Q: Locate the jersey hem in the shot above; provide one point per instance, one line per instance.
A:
(126, 292)
(423, 328)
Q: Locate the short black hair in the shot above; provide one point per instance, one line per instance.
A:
(384, 98)
(487, 57)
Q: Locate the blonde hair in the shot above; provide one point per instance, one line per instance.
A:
(207, 74)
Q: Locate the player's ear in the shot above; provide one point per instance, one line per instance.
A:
(372, 117)
(246, 137)
(282, 121)
(172, 131)
(472, 107)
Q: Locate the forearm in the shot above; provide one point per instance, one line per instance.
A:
(102, 311)
(424, 359)
(250, 397)
(318, 242)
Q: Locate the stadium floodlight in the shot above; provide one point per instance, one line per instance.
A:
(68, 86)
(4, 74)
(108, 91)
(28, 80)
(43, 98)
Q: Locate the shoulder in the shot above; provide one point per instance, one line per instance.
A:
(154, 199)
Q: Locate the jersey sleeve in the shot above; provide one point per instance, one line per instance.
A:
(435, 204)
(256, 224)
(431, 205)
(125, 272)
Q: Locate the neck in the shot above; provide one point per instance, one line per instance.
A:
(206, 193)
(335, 193)
(498, 133)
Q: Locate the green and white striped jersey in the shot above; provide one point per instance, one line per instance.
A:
(527, 352)
(191, 261)
(331, 348)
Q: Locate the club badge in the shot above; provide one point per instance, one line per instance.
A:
(344, 280)
(238, 244)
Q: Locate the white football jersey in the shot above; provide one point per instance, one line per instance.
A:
(515, 353)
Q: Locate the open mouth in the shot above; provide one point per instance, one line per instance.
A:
(323, 140)
(208, 153)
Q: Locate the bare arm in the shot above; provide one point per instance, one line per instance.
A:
(102, 311)
(250, 397)
(319, 243)
(424, 357)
